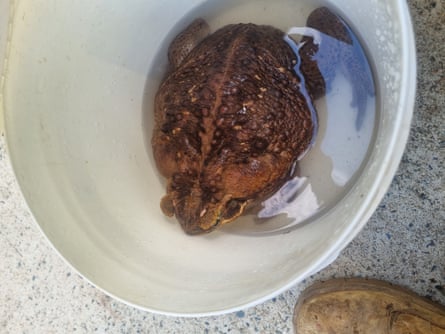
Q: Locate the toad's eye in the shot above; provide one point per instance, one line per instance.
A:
(233, 209)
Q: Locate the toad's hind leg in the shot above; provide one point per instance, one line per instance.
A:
(186, 41)
(338, 50)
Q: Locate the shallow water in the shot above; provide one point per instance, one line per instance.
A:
(346, 117)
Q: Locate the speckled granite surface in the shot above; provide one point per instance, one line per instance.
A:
(404, 242)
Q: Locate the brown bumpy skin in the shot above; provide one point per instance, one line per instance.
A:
(230, 124)
(231, 118)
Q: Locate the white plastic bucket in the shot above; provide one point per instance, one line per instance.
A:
(72, 96)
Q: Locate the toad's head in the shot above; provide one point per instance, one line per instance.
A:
(198, 211)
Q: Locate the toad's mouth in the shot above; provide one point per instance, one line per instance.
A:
(210, 219)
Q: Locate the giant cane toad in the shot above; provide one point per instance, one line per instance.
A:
(232, 119)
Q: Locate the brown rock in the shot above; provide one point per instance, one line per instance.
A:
(360, 306)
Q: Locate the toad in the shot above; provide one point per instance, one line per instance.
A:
(232, 119)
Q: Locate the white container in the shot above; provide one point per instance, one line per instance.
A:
(72, 97)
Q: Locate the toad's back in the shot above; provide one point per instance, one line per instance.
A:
(230, 122)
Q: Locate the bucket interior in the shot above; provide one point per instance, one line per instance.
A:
(75, 92)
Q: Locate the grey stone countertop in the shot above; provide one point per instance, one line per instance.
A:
(404, 241)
